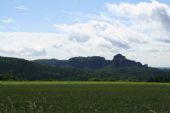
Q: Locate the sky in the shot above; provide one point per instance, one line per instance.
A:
(61, 29)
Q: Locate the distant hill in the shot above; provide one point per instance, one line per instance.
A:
(78, 68)
(94, 62)
(20, 69)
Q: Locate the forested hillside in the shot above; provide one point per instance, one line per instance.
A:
(79, 68)
(94, 62)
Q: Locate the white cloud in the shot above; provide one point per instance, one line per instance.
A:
(149, 18)
(136, 30)
(24, 44)
(21, 7)
(7, 20)
(125, 27)
(23, 52)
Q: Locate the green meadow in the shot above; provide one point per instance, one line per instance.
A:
(84, 97)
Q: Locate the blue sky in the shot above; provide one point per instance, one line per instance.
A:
(39, 15)
(46, 12)
(61, 29)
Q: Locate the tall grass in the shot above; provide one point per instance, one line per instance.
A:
(89, 97)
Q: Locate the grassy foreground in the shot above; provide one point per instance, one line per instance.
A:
(84, 97)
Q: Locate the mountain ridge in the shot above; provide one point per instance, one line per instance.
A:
(81, 69)
(91, 62)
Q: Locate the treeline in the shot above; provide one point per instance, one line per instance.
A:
(160, 78)
(20, 69)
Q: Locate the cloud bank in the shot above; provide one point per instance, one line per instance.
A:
(137, 30)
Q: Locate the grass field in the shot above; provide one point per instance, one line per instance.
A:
(84, 97)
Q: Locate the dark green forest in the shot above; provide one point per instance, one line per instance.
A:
(80, 69)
